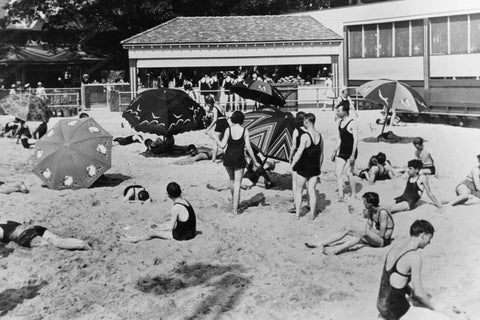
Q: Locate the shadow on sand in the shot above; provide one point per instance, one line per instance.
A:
(4, 251)
(109, 180)
(321, 204)
(11, 298)
(226, 283)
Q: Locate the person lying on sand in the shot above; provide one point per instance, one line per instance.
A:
(182, 225)
(195, 154)
(426, 156)
(10, 129)
(468, 191)
(163, 145)
(135, 193)
(376, 233)
(416, 184)
(31, 236)
(123, 141)
(379, 168)
(10, 187)
(403, 265)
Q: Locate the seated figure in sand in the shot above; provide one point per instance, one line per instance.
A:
(468, 191)
(376, 233)
(379, 168)
(426, 156)
(182, 225)
(11, 187)
(31, 236)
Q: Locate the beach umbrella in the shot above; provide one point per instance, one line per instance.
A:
(165, 112)
(259, 91)
(393, 94)
(73, 154)
(271, 132)
(25, 106)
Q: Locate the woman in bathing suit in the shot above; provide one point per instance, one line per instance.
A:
(296, 135)
(376, 233)
(135, 193)
(219, 123)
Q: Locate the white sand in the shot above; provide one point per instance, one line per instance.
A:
(252, 266)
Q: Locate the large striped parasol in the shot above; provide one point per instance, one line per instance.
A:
(271, 132)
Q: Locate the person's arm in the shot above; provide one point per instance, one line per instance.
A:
(222, 144)
(390, 171)
(476, 177)
(372, 174)
(337, 146)
(214, 120)
(354, 127)
(419, 293)
(250, 150)
(426, 187)
(301, 148)
(321, 152)
(294, 143)
(130, 193)
(430, 154)
(383, 217)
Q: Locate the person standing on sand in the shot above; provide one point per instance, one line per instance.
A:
(377, 232)
(346, 150)
(468, 191)
(183, 222)
(403, 265)
(219, 122)
(307, 163)
(296, 135)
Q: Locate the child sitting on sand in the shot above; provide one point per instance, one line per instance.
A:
(37, 236)
(416, 184)
(182, 224)
(468, 191)
(376, 233)
(425, 155)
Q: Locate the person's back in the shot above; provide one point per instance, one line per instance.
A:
(185, 227)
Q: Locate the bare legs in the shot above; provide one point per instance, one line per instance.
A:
(59, 242)
(399, 207)
(464, 196)
(235, 175)
(215, 146)
(8, 188)
(311, 184)
(340, 165)
(163, 231)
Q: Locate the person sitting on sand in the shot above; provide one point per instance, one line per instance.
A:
(403, 264)
(7, 188)
(135, 193)
(182, 224)
(40, 131)
(468, 191)
(10, 129)
(123, 141)
(425, 155)
(195, 154)
(416, 184)
(376, 233)
(36, 236)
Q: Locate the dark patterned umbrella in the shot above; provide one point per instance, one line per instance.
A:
(259, 91)
(165, 112)
(26, 107)
(271, 132)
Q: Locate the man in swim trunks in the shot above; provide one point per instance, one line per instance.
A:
(195, 154)
(182, 225)
(468, 191)
(346, 150)
(425, 155)
(403, 265)
(376, 233)
(416, 184)
(37, 236)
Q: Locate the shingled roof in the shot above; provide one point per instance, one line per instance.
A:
(234, 29)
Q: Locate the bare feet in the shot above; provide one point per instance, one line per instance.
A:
(312, 246)
(328, 251)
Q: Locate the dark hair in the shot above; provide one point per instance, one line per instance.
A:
(299, 117)
(415, 164)
(237, 117)
(148, 142)
(421, 226)
(381, 157)
(209, 100)
(174, 190)
(83, 115)
(373, 161)
(371, 198)
(191, 147)
(310, 117)
(345, 106)
(143, 195)
(418, 140)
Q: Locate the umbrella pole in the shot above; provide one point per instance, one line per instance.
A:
(385, 122)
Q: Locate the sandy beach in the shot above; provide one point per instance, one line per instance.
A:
(251, 266)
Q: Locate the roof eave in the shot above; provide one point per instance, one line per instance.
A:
(148, 44)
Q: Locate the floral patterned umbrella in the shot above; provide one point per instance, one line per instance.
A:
(73, 154)
(26, 107)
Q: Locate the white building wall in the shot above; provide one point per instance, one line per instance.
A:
(401, 68)
(452, 65)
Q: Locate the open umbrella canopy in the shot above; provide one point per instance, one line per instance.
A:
(73, 154)
(271, 132)
(26, 107)
(393, 94)
(259, 91)
(164, 112)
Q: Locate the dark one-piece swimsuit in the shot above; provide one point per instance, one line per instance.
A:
(392, 303)
(386, 239)
(346, 142)
(185, 230)
(309, 163)
(222, 124)
(411, 194)
(136, 189)
(234, 156)
(26, 237)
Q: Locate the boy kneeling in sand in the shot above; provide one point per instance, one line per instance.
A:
(182, 224)
(376, 233)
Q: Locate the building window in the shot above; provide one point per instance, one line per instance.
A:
(402, 39)
(417, 37)
(459, 34)
(439, 35)
(385, 39)
(355, 47)
(370, 41)
(475, 33)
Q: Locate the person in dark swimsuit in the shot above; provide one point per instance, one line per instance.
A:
(379, 168)
(296, 135)
(416, 184)
(40, 131)
(236, 140)
(402, 266)
(376, 233)
(35, 236)
(228, 82)
(346, 151)
(183, 222)
(307, 163)
(136, 193)
(219, 123)
(195, 154)
(10, 129)
(123, 141)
